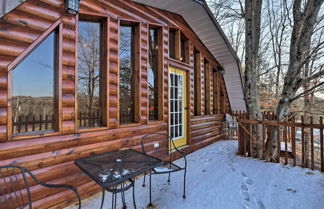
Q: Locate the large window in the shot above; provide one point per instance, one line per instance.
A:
(215, 91)
(33, 90)
(128, 81)
(154, 75)
(173, 41)
(207, 87)
(89, 94)
(197, 83)
(184, 45)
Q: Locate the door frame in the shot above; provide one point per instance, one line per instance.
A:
(186, 106)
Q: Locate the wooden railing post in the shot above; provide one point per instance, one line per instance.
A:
(286, 144)
(303, 141)
(278, 139)
(293, 141)
(263, 136)
(270, 135)
(240, 135)
(322, 144)
(244, 135)
(312, 143)
(250, 138)
(257, 136)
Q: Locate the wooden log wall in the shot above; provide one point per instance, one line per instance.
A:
(51, 156)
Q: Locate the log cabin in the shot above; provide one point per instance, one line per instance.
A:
(79, 82)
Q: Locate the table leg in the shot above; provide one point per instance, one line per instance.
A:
(103, 197)
(123, 196)
(134, 202)
(150, 204)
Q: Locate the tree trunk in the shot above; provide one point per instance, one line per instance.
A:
(252, 39)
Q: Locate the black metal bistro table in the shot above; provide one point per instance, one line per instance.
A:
(111, 170)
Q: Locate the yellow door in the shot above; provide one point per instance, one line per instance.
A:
(177, 107)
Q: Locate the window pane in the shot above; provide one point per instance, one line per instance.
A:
(207, 87)
(89, 68)
(126, 75)
(197, 84)
(184, 49)
(33, 90)
(153, 72)
(172, 43)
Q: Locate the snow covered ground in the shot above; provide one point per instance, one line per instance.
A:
(218, 179)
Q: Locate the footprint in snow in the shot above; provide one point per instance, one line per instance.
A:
(243, 174)
(249, 181)
(245, 195)
(246, 206)
(260, 204)
(244, 187)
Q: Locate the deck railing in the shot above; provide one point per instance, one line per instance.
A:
(300, 139)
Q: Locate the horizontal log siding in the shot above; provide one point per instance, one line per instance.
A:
(51, 158)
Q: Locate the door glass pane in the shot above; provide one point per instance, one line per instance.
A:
(176, 105)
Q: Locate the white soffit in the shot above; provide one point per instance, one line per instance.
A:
(200, 19)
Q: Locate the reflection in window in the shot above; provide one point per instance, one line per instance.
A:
(153, 71)
(127, 75)
(33, 90)
(89, 70)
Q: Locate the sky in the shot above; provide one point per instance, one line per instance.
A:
(34, 76)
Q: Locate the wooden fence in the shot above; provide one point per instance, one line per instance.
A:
(300, 139)
(39, 123)
(33, 123)
(89, 119)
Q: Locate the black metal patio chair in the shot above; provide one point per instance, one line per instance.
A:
(14, 187)
(157, 145)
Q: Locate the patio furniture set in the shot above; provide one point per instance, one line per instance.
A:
(114, 171)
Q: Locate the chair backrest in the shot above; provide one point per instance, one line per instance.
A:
(14, 188)
(156, 144)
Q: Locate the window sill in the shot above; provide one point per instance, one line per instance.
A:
(36, 135)
(177, 62)
(125, 125)
(149, 122)
(88, 129)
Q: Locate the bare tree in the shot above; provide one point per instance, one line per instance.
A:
(89, 68)
(304, 21)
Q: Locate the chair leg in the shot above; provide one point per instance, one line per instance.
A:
(150, 204)
(184, 183)
(134, 202)
(123, 197)
(115, 206)
(144, 180)
(169, 177)
(103, 197)
(112, 200)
